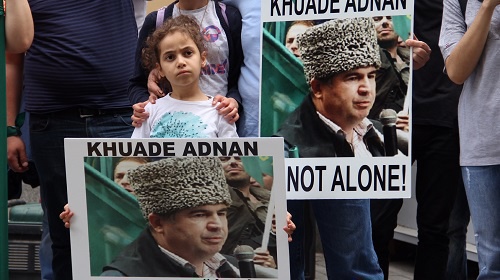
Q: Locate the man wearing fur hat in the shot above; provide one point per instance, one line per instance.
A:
(185, 201)
(340, 60)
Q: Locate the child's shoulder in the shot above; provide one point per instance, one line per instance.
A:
(168, 100)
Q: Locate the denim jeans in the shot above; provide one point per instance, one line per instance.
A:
(384, 216)
(45, 252)
(436, 150)
(456, 268)
(345, 230)
(47, 132)
(482, 186)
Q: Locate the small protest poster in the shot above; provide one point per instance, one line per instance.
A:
(109, 204)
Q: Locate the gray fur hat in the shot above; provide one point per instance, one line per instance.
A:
(172, 184)
(338, 45)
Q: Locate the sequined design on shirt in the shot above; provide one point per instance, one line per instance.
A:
(179, 125)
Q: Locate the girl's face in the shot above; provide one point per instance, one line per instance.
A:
(180, 59)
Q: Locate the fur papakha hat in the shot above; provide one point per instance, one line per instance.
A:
(172, 184)
(338, 45)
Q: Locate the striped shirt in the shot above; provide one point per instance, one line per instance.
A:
(82, 55)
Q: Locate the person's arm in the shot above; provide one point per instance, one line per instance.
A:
(138, 85)
(236, 58)
(16, 150)
(19, 28)
(227, 107)
(464, 57)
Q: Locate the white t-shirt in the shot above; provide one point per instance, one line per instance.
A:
(478, 115)
(173, 118)
(214, 75)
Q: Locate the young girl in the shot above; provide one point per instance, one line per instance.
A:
(221, 28)
(177, 51)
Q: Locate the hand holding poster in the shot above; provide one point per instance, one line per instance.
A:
(181, 201)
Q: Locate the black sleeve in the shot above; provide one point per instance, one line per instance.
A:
(138, 89)
(236, 53)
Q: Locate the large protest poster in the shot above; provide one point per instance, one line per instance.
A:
(108, 217)
(284, 87)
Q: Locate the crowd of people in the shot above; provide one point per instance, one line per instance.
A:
(75, 84)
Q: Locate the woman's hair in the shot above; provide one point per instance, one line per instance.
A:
(183, 24)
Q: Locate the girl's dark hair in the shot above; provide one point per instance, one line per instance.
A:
(182, 23)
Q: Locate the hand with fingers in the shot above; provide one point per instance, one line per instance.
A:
(155, 79)
(290, 227)
(227, 106)
(16, 154)
(263, 257)
(403, 121)
(140, 115)
(66, 216)
(421, 52)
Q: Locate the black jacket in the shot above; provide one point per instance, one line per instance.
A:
(143, 258)
(306, 131)
(391, 88)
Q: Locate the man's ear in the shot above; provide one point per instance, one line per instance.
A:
(203, 58)
(156, 222)
(316, 88)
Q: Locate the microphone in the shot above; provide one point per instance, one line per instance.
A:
(244, 254)
(388, 118)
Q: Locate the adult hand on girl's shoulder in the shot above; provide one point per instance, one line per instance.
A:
(140, 115)
(154, 78)
(227, 106)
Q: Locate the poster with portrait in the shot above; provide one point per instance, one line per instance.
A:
(285, 88)
(108, 191)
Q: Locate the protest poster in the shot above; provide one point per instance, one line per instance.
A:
(108, 217)
(284, 88)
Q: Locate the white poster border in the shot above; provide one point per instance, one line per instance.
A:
(77, 149)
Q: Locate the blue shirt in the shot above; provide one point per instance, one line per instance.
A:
(82, 55)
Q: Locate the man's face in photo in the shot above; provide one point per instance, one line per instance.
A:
(291, 38)
(346, 99)
(120, 173)
(386, 35)
(195, 233)
(234, 171)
